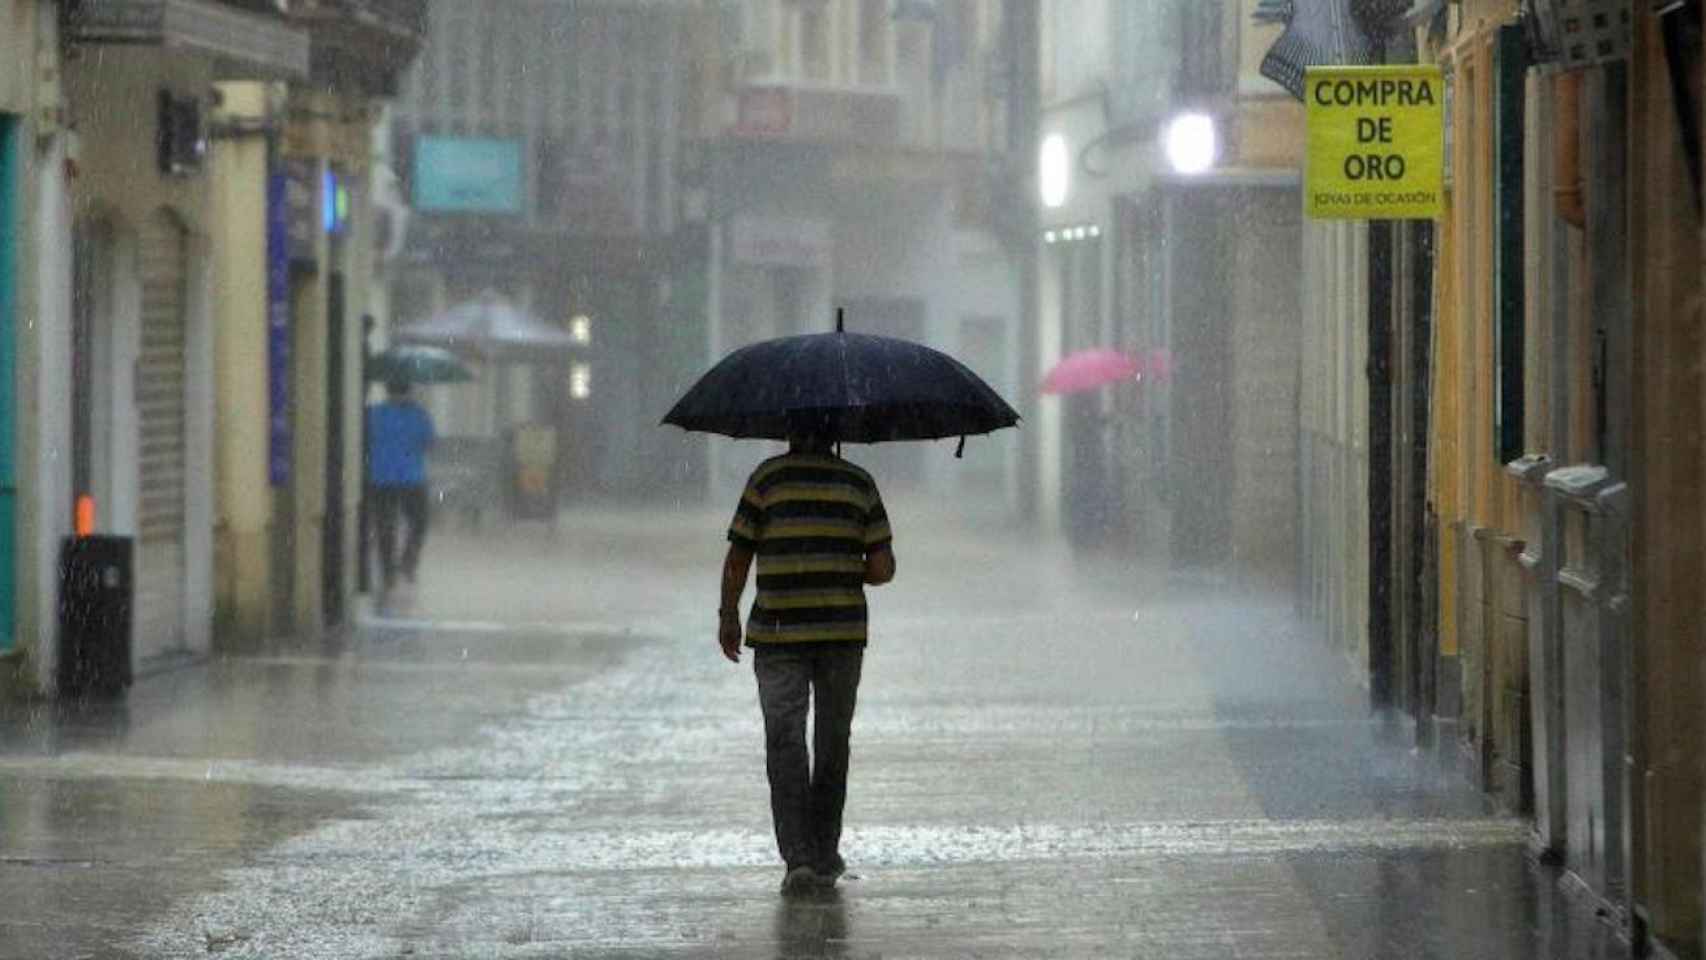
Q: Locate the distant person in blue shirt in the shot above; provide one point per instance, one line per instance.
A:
(399, 434)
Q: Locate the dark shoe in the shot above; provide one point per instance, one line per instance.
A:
(799, 880)
(828, 873)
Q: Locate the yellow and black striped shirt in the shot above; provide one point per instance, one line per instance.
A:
(811, 519)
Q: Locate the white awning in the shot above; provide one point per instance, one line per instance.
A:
(247, 44)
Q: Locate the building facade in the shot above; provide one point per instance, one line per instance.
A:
(137, 172)
(144, 313)
(579, 108)
(849, 150)
(1510, 398)
(292, 190)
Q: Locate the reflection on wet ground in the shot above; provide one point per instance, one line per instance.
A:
(110, 811)
(1051, 759)
(358, 697)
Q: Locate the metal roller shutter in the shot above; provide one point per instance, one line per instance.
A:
(160, 371)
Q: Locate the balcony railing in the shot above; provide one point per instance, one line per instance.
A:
(398, 18)
(954, 114)
(249, 42)
(362, 45)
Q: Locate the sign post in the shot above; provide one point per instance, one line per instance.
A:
(1376, 143)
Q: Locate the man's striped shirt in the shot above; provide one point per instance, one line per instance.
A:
(811, 519)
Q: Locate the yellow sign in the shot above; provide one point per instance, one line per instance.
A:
(1376, 143)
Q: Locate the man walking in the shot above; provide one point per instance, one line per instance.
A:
(817, 526)
(399, 434)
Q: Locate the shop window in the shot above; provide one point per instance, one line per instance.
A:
(814, 40)
(876, 62)
(787, 50)
(758, 34)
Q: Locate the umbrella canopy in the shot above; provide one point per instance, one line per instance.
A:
(417, 364)
(860, 388)
(492, 328)
(1089, 369)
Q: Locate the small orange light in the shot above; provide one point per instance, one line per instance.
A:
(85, 515)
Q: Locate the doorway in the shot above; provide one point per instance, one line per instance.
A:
(8, 300)
(94, 245)
(162, 436)
(1090, 507)
(332, 532)
(1200, 454)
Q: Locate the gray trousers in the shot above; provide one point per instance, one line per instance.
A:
(807, 792)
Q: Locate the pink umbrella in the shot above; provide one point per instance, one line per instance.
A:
(1089, 369)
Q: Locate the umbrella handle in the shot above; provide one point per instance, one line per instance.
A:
(960, 451)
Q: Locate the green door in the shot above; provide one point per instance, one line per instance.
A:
(8, 303)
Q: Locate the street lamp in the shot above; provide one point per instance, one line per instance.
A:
(1192, 146)
(1054, 171)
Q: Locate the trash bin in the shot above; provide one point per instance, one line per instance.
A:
(95, 601)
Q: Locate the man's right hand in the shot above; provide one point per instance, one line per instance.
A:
(728, 636)
(879, 566)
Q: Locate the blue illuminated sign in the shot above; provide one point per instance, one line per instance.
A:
(467, 175)
(278, 329)
(334, 203)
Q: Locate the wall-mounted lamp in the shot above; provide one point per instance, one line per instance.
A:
(1192, 144)
(1054, 171)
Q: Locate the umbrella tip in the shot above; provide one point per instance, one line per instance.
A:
(840, 320)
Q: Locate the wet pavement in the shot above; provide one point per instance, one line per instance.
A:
(540, 753)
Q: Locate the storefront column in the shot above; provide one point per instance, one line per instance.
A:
(9, 222)
(239, 187)
(44, 405)
(308, 435)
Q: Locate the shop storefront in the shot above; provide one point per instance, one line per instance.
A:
(143, 306)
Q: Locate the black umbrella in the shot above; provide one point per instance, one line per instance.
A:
(857, 387)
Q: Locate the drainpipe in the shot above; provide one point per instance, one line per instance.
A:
(1568, 192)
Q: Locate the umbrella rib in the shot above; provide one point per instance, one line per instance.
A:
(841, 346)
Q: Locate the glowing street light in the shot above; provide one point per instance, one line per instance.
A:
(1192, 146)
(1054, 171)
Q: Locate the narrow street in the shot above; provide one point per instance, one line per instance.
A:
(1052, 758)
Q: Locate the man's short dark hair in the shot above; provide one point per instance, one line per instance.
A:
(398, 387)
(811, 430)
